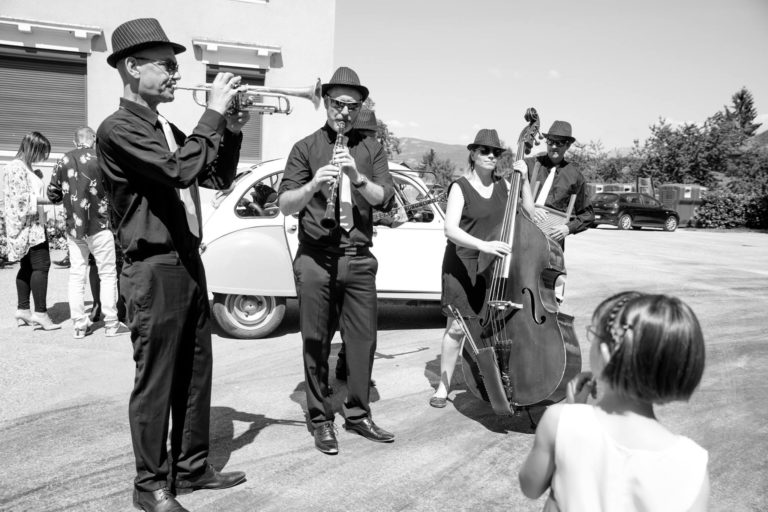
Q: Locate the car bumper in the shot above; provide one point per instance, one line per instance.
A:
(606, 218)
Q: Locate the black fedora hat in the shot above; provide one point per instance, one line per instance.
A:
(137, 34)
(560, 130)
(366, 120)
(347, 78)
(486, 137)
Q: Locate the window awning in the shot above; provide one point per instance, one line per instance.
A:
(47, 35)
(237, 54)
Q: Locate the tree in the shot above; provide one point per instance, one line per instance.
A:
(743, 113)
(442, 168)
(385, 137)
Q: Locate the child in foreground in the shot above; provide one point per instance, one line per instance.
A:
(615, 455)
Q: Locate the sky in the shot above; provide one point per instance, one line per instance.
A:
(440, 70)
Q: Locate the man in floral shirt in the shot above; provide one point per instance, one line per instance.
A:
(76, 181)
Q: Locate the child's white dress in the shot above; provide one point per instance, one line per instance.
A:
(594, 473)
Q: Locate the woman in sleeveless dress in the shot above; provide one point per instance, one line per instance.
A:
(473, 219)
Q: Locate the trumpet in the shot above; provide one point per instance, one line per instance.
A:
(252, 99)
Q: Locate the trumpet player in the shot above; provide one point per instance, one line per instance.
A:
(151, 175)
(334, 268)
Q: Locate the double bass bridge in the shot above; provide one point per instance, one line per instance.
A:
(503, 305)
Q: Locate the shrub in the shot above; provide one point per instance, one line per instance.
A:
(724, 209)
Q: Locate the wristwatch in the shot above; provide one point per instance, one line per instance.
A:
(363, 182)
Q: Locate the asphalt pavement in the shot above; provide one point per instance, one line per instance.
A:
(65, 443)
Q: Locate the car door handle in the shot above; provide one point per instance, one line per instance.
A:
(291, 229)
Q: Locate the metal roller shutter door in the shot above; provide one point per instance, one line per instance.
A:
(44, 95)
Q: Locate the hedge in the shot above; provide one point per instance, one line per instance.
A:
(731, 210)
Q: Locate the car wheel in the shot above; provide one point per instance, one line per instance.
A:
(248, 316)
(625, 222)
(670, 224)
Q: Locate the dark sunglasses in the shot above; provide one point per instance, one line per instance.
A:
(485, 151)
(556, 143)
(339, 105)
(169, 66)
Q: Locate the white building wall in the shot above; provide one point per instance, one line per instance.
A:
(303, 30)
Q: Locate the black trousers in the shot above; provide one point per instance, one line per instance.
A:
(336, 292)
(33, 277)
(169, 317)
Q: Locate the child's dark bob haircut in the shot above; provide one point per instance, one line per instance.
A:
(656, 346)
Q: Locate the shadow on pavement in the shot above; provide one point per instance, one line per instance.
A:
(478, 410)
(222, 435)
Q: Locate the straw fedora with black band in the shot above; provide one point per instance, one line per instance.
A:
(486, 137)
(345, 77)
(560, 130)
(135, 35)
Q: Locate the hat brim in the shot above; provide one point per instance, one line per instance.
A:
(113, 59)
(359, 88)
(477, 145)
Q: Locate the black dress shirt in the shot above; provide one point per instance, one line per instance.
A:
(315, 151)
(141, 177)
(568, 180)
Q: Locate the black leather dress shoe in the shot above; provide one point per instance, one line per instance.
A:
(211, 479)
(325, 439)
(368, 429)
(161, 500)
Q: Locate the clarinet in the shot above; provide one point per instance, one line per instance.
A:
(329, 219)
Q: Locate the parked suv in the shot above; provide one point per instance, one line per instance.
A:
(631, 210)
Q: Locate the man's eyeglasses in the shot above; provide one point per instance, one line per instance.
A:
(485, 151)
(339, 105)
(556, 143)
(169, 66)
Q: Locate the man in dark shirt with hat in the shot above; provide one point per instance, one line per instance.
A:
(151, 175)
(556, 180)
(334, 269)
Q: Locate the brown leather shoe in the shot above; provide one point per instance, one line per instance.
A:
(325, 439)
(368, 429)
(211, 479)
(161, 500)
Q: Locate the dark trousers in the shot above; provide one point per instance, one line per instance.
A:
(169, 317)
(336, 292)
(33, 277)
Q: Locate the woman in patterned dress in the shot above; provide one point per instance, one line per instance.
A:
(26, 241)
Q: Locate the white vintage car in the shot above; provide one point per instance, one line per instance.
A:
(248, 248)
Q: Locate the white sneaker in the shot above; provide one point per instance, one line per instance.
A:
(117, 329)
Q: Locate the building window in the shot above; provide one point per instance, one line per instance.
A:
(250, 151)
(44, 91)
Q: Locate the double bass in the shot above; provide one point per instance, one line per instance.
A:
(524, 350)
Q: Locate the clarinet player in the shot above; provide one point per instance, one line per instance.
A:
(334, 268)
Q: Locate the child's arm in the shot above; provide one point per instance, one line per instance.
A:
(536, 473)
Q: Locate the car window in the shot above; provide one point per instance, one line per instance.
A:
(604, 197)
(260, 200)
(649, 201)
(411, 205)
(633, 199)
